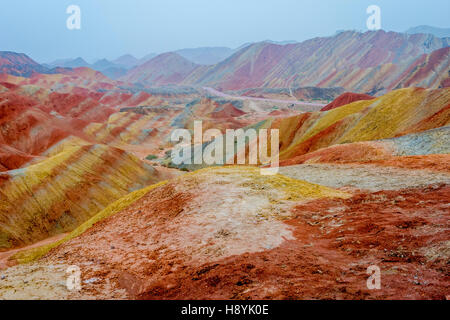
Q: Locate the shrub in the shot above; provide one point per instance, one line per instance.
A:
(151, 157)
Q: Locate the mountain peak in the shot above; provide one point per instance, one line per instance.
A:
(127, 60)
(19, 64)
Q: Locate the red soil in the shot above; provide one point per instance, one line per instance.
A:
(12, 104)
(435, 59)
(370, 153)
(11, 158)
(346, 153)
(446, 83)
(276, 113)
(346, 98)
(336, 241)
(330, 256)
(227, 111)
(8, 85)
(439, 119)
(320, 140)
(433, 162)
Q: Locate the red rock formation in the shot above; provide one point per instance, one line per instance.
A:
(346, 98)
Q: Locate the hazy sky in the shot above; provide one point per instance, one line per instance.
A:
(110, 28)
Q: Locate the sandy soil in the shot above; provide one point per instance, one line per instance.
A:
(366, 177)
(47, 281)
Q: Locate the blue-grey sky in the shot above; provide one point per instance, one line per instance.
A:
(110, 28)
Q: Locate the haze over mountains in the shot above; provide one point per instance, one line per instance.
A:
(370, 62)
(119, 67)
(437, 32)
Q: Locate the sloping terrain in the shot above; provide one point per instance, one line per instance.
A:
(437, 32)
(214, 113)
(395, 114)
(187, 225)
(305, 137)
(33, 120)
(256, 238)
(431, 142)
(206, 55)
(58, 194)
(346, 98)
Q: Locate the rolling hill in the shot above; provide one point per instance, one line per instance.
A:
(165, 69)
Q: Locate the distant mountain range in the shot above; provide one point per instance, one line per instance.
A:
(165, 69)
(119, 67)
(108, 68)
(437, 32)
(370, 62)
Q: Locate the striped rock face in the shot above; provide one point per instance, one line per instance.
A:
(395, 114)
(409, 121)
(371, 62)
(65, 155)
(58, 194)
